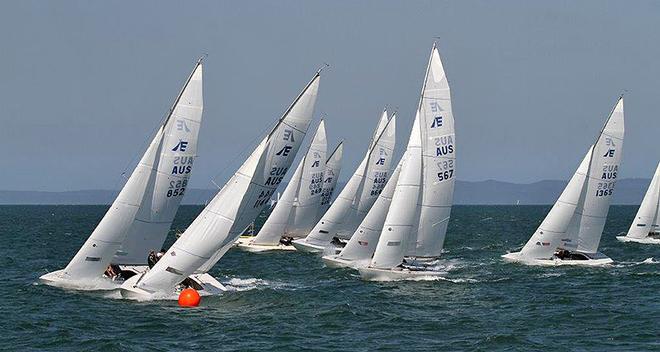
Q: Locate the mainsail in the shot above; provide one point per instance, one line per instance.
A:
(648, 215)
(341, 219)
(300, 200)
(577, 220)
(239, 202)
(330, 177)
(438, 161)
(141, 215)
(362, 244)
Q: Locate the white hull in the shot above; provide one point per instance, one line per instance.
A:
(210, 286)
(517, 258)
(59, 279)
(647, 240)
(332, 261)
(244, 244)
(303, 246)
(397, 274)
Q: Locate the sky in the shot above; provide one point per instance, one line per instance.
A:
(83, 84)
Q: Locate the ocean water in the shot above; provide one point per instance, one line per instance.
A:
(290, 301)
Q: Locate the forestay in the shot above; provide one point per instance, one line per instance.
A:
(140, 217)
(647, 217)
(238, 203)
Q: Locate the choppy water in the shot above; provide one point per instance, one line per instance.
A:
(289, 301)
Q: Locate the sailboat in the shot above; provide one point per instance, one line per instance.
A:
(357, 196)
(235, 206)
(413, 233)
(361, 246)
(570, 233)
(646, 228)
(297, 210)
(139, 219)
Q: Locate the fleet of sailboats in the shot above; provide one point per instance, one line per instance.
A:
(387, 224)
(646, 228)
(139, 219)
(357, 196)
(235, 206)
(570, 233)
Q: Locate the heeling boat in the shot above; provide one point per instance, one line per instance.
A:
(360, 247)
(646, 228)
(571, 232)
(296, 211)
(358, 195)
(233, 208)
(139, 219)
(416, 222)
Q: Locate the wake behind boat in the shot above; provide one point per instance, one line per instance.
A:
(571, 232)
(139, 219)
(646, 226)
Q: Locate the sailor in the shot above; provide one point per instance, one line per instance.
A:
(152, 259)
(286, 240)
(336, 241)
(112, 271)
(562, 254)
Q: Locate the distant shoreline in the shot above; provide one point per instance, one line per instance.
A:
(490, 192)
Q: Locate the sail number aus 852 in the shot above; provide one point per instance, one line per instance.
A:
(177, 188)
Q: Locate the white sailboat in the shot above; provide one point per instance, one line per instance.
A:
(235, 206)
(570, 233)
(416, 223)
(361, 246)
(139, 219)
(646, 226)
(330, 177)
(297, 210)
(359, 194)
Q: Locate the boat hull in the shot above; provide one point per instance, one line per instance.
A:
(333, 261)
(647, 240)
(374, 274)
(303, 246)
(245, 244)
(60, 279)
(517, 258)
(210, 286)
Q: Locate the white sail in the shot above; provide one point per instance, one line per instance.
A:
(438, 160)
(238, 203)
(308, 200)
(362, 244)
(141, 215)
(577, 219)
(603, 173)
(175, 164)
(301, 196)
(375, 177)
(398, 227)
(553, 232)
(330, 177)
(646, 219)
(339, 218)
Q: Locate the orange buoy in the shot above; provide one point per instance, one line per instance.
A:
(189, 298)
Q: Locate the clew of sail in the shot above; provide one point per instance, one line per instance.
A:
(139, 218)
(238, 203)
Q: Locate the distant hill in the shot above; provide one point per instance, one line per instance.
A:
(628, 191)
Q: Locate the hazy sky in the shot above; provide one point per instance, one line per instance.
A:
(84, 84)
